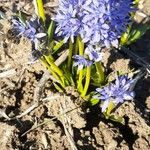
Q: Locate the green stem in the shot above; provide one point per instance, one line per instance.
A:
(81, 46)
(111, 106)
(41, 10)
(100, 72)
(70, 53)
(50, 31)
(81, 51)
(80, 86)
(44, 62)
(87, 81)
(58, 46)
(55, 68)
(109, 109)
(76, 46)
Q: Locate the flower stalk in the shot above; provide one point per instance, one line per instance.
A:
(44, 62)
(109, 109)
(81, 51)
(70, 54)
(100, 72)
(41, 10)
(55, 68)
(76, 46)
(87, 81)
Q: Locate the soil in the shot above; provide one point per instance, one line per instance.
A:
(68, 122)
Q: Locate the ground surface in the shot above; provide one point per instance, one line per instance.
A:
(81, 128)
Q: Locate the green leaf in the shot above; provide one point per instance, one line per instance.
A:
(117, 119)
(50, 31)
(95, 78)
(58, 46)
(58, 88)
(68, 76)
(114, 118)
(133, 34)
(22, 17)
(94, 101)
(111, 106)
(138, 32)
(41, 12)
(136, 2)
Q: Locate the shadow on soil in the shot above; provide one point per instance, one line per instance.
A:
(94, 118)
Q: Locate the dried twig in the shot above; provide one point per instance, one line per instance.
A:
(39, 88)
(62, 58)
(3, 114)
(8, 73)
(48, 121)
(67, 125)
(35, 105)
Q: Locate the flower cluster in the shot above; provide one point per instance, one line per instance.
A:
(116, 92)
(31, 29)
(69, 18)
(96, 21)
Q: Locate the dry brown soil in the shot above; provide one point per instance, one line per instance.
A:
(82, 128)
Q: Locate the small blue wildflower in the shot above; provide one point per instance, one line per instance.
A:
(81, 62)
(116, 92)
(31, 29)
(34, 29)
(94, 54)
(18, 26)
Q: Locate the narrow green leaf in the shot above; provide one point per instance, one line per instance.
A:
(58, 88)
(136, 2)
(41, 10)
(133, 34)
(50, 31)
(137, 33)
(22, 17)
(58, 46)
(110, 108)
(117, 119)
(94, 101)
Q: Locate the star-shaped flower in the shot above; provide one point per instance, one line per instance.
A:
(116, 92)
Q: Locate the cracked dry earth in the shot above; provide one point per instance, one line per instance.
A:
(82, 128)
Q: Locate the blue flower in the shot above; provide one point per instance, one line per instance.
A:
(69, 21)
(94, 54)
(116, 92)
(81, 62)
(31, 29)
(96, 21)
(105, 21)
(34, 29)
(18, 26)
